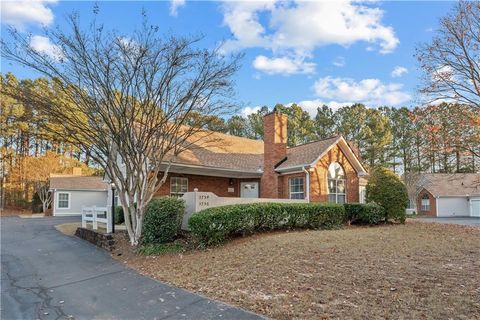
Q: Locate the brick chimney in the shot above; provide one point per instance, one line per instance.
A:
(274, 149)
(77, 171)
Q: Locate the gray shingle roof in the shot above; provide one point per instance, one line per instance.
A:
(77, 183)
(452, 184)
(306, 154)
(224, 151)
(236, 153)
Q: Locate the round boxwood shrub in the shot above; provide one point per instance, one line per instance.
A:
(360, 213)
(387, 190)
(163, 219)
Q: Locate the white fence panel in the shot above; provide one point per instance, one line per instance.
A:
(97, 215)
(197, 201)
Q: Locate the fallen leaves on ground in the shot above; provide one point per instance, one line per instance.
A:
(414, 271)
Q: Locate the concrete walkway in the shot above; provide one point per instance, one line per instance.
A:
(466, 221)
(47, 275)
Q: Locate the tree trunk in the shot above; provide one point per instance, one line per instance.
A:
(457, 158)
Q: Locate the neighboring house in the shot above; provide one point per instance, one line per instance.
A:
(448, 195)
(327, 170)
(72, 192)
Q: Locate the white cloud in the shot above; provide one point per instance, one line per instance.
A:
(249, 110)
(283, 65)
(298, 27)
(371, 92)
(339, 62)
(174, 5)
(44, 46)
(21, 12)
(399, 71)
(444, 73)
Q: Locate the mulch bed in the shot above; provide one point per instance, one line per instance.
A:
(412, 271)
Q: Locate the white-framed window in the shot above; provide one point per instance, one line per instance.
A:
(63, 200)
(411, 204)
(362, 194)
(425, 202)
(178, 186)
(336, 183)
(296, 187)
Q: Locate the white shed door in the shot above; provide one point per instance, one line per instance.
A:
(475, 208)
(249, 190)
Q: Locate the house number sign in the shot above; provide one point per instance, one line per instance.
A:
(204, 200)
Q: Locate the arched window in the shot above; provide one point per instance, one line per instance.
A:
(336, 183)
(425, 202)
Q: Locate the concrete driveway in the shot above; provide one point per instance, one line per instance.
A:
(47, 275)
(466, 221)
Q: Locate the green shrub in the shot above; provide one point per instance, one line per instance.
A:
(386, 189)
(370, 213)
(163, 218)
(25, 204)
(119, 217)
(37, 206)
(215, 225)
(353, 211)
(160, 248)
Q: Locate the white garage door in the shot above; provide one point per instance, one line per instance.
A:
(475, 208)
(453, 207)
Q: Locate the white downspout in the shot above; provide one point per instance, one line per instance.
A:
(307, 182)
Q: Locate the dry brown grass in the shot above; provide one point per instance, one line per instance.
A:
(413, 271)
(68, 228)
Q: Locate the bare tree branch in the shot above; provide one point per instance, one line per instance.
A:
(451, 62)
(127, 98)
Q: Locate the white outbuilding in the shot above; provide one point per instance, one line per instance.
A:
(71, 193)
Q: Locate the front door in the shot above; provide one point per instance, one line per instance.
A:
(249, 189)
(475, 207)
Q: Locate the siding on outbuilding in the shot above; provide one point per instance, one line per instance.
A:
(79, 198)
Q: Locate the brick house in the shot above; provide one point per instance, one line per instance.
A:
(449, 195)
(320, 171)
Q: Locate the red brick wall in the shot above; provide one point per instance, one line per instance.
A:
(318, 181)
(318, 177)
(284, 191)
(217, 185)
(275, 150)
(433, 204)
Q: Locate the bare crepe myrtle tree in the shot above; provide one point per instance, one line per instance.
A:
(451, 61)
(414, 182)
(126, 98)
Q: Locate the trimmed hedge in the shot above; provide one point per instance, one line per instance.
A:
(370, 213)
(163, 219)
(215, 225)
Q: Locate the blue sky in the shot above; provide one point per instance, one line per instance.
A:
(311, 53)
